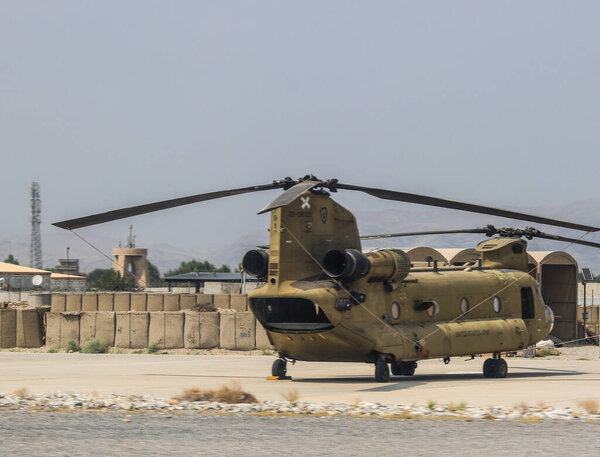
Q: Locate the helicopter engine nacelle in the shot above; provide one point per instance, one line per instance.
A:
(380, 265)
(256, 263)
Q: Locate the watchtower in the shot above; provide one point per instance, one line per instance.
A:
(131, 261)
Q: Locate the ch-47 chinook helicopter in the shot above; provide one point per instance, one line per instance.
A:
(326, 300)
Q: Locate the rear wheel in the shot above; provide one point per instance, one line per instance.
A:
(500, 368)
(488, 368)
(495, 368)
(408, 368)
(382, 371)
(403, 368)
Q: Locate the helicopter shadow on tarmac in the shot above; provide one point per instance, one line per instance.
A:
(402, 382)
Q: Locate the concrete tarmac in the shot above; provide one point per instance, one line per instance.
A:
(554, 382)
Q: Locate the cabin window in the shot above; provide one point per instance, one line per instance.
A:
(464, 305)
(433, 308)
(527, 305)
(497, 304)
(395, 310)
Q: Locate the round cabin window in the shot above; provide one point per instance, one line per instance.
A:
(464, 305)
(433, 309)
(395, 310)
(497, 304)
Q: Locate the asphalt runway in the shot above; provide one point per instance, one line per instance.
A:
(553, 382)
(82, 434)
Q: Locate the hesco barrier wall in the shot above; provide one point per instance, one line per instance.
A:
(125, 301)
(136, 320)
(166, 329)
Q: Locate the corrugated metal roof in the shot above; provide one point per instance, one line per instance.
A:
(9, 268)
(210, 276)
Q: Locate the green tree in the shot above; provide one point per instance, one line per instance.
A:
(196, 266)
(94, 275)
(110, 280)
(154, 279)
(11, 259)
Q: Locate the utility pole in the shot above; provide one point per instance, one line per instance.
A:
(35, 247)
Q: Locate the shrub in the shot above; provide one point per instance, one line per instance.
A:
(591, 406)
(72, 346)
(153, 348)
(52, 350)
(545, 352)
(21, 393)
(291, 396)
(95, 346)
(226, 394)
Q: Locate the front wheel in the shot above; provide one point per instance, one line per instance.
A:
(279, 368)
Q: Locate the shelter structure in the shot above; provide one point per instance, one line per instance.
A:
(556, 271)
(445, 256)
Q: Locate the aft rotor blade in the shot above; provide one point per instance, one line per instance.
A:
(568, 240)
(443, 203)
(290, 195)
(157, 206)
(435, 232)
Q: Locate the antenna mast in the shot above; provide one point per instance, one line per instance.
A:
(35, 248)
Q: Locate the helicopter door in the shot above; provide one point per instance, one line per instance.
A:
(527, 305)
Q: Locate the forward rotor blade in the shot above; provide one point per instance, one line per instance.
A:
(435, 232)
(157, 206)
(290, 195)
(443, 203)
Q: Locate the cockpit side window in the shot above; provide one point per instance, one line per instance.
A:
(527, 305)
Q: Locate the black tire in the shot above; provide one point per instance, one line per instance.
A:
(382, 372)
(489, 368)
(500, 368)
(279, 368)
(408, 368)
(396, 368)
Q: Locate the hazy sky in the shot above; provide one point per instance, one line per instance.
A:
(111, 104)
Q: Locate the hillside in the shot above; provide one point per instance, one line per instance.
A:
(402, 218)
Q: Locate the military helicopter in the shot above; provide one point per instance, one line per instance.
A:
(324, 299)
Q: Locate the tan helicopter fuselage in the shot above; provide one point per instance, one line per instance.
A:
(393, 312)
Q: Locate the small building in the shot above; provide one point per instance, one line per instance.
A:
(67, 267)
(201, 280)
(18, 277)
(67, 282)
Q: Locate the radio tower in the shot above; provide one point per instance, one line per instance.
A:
(35, 249)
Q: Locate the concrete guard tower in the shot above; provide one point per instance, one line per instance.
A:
(130, 261)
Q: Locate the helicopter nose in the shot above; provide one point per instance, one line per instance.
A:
(549, 316)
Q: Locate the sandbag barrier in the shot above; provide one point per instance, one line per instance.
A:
(140, 301)
(21, 327)
(136, 320)
(165, 329)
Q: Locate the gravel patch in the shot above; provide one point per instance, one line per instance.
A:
(21, 400)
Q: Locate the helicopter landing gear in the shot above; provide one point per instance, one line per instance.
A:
(495, 368)
(382, 371)
(279, 368)
(404, 368)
